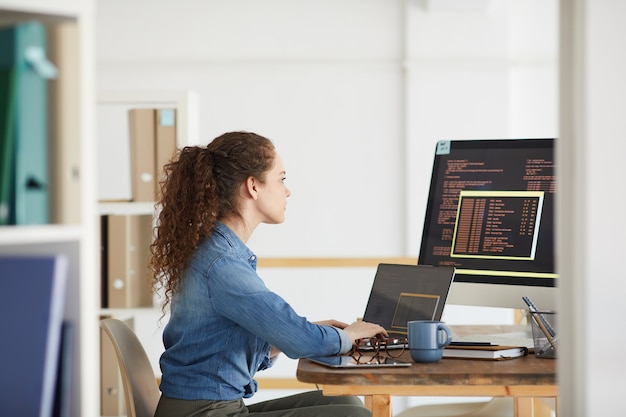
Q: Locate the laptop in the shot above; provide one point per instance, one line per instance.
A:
(402, 293)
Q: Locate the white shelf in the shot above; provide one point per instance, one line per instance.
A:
(27, 235)
(186, 104)
(126, 208)
(38, 8)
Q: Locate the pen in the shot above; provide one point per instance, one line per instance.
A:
(544, 330)
(470, 344)
(533, 309)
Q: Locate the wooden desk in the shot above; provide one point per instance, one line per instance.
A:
(521, 378)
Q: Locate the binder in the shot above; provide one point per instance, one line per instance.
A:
(7, 157)
(31, 304)
(23, 51)
(142, 154)
(128, 254)
(165, 142)
(64, 133)
(104, 261)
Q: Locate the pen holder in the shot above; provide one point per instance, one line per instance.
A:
(543, 325)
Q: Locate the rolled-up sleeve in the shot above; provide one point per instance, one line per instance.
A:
(346, 342)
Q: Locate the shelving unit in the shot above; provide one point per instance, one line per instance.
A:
(73, 229)
(114, 143)
(110, 131)
(186, 105)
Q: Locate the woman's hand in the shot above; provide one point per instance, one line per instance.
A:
(334, 323)
(364, 329)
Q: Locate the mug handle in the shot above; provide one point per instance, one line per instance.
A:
(443, 328)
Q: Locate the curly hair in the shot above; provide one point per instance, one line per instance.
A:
(200, 186)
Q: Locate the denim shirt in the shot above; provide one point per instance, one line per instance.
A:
(224, 321)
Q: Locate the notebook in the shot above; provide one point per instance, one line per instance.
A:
(402, 293)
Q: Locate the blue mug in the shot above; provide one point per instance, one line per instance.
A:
(428, 339)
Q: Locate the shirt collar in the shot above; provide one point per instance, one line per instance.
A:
(236, 243)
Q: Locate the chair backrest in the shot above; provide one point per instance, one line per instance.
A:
(140, 386)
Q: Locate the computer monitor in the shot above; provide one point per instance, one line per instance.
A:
(490, 213)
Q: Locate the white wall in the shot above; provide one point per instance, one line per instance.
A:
(322, 79)
(355, 94)
(483, 70)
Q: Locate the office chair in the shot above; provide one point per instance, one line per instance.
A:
(140, 387)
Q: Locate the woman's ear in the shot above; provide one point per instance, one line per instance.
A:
(251, 187)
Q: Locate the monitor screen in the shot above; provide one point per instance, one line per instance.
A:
(490, 213)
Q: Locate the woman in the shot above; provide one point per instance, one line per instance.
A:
(225, 325)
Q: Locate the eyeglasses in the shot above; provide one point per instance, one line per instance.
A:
(370, 350)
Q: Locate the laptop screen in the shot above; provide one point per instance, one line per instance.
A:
(402, 293)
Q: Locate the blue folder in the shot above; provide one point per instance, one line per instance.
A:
(31, 307)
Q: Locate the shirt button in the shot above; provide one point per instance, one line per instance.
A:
(252, 258)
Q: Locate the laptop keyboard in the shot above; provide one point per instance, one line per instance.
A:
(382, 343)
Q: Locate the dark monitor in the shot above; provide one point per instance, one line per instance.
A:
(490, 214)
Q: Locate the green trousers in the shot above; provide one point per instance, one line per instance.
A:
(308, 404)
